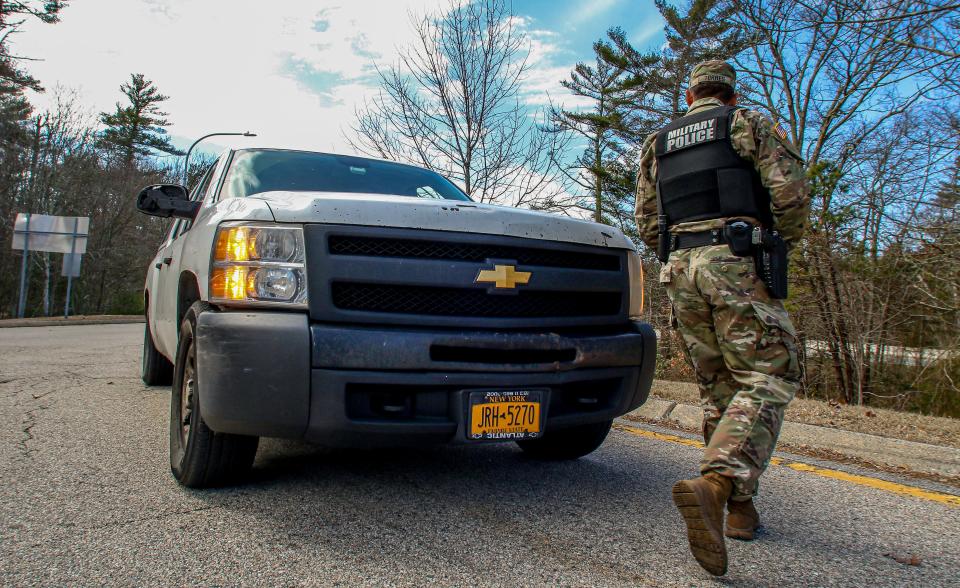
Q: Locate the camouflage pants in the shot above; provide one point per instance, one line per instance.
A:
(743, 349)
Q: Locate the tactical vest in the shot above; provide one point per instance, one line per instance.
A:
(702, 177)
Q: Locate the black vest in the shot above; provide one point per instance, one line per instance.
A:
(700, 176)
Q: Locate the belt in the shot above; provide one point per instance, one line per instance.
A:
(701, 239)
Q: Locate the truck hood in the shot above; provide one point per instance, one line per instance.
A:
(441, 215)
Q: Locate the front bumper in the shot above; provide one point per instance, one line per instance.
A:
(275, 374)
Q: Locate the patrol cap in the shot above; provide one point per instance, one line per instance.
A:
(714, 71)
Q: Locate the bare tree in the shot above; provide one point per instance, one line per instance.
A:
(452, 103)
(64, 172)
(836, 72)
(857, 87)
(940, 36)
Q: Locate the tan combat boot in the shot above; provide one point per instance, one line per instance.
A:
(742, 520)
(701, 501)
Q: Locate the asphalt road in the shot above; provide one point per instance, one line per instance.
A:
(86, 499)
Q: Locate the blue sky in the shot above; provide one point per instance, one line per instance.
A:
(293, 71)
(582, 22)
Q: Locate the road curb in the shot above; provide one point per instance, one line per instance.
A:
(921, 457)
(78, 320)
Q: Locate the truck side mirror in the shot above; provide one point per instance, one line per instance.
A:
(166, 200)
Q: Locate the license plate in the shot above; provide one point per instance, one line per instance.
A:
(505, 414)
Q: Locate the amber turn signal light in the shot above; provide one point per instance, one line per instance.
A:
(233, 244)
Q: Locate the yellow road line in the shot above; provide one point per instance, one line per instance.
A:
(867, 481)
(659, 436)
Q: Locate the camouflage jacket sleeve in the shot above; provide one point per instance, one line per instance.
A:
(646, 207)
(781, 170)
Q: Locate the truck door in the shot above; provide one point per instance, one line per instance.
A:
(169, 276)
(153, 286)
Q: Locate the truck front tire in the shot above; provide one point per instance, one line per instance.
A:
(155, 369)
(200, 457)
(568, 443)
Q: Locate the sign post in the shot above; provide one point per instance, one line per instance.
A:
(22, 303)
(40, 232)
(68, 266)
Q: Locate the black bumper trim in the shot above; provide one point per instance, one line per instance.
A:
(369, 348)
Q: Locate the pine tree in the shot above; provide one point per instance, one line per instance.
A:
(598, 125)
(655, 82)
(632, 94)
(14, 107)
(12, 16)
(14, 111)
(139, 128)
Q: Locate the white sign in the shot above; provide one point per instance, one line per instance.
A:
(71, 265)
(51, 233)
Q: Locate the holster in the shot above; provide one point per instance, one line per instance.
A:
(770, 256)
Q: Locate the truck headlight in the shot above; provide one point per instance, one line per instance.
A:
(259, 263)
(635, 271)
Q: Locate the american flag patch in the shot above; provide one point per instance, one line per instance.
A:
(780, 131)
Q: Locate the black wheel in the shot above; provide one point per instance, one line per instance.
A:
(199, 457)
(569, 443)
(155, 369)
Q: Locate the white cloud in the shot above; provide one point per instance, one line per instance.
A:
(549, 63)
(292, 72)
(226, 64)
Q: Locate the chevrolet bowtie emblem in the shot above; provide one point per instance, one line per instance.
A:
(503, 276)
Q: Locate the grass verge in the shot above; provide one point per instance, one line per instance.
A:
(874, 421)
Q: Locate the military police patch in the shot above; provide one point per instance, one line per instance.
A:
(693, 134)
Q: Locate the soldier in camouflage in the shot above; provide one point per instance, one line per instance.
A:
(739, 339)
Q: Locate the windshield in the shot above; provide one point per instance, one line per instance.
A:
(255, 171)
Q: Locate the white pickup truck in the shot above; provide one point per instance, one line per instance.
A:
(356, 302)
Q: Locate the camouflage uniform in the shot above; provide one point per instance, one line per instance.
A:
(741, 342)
